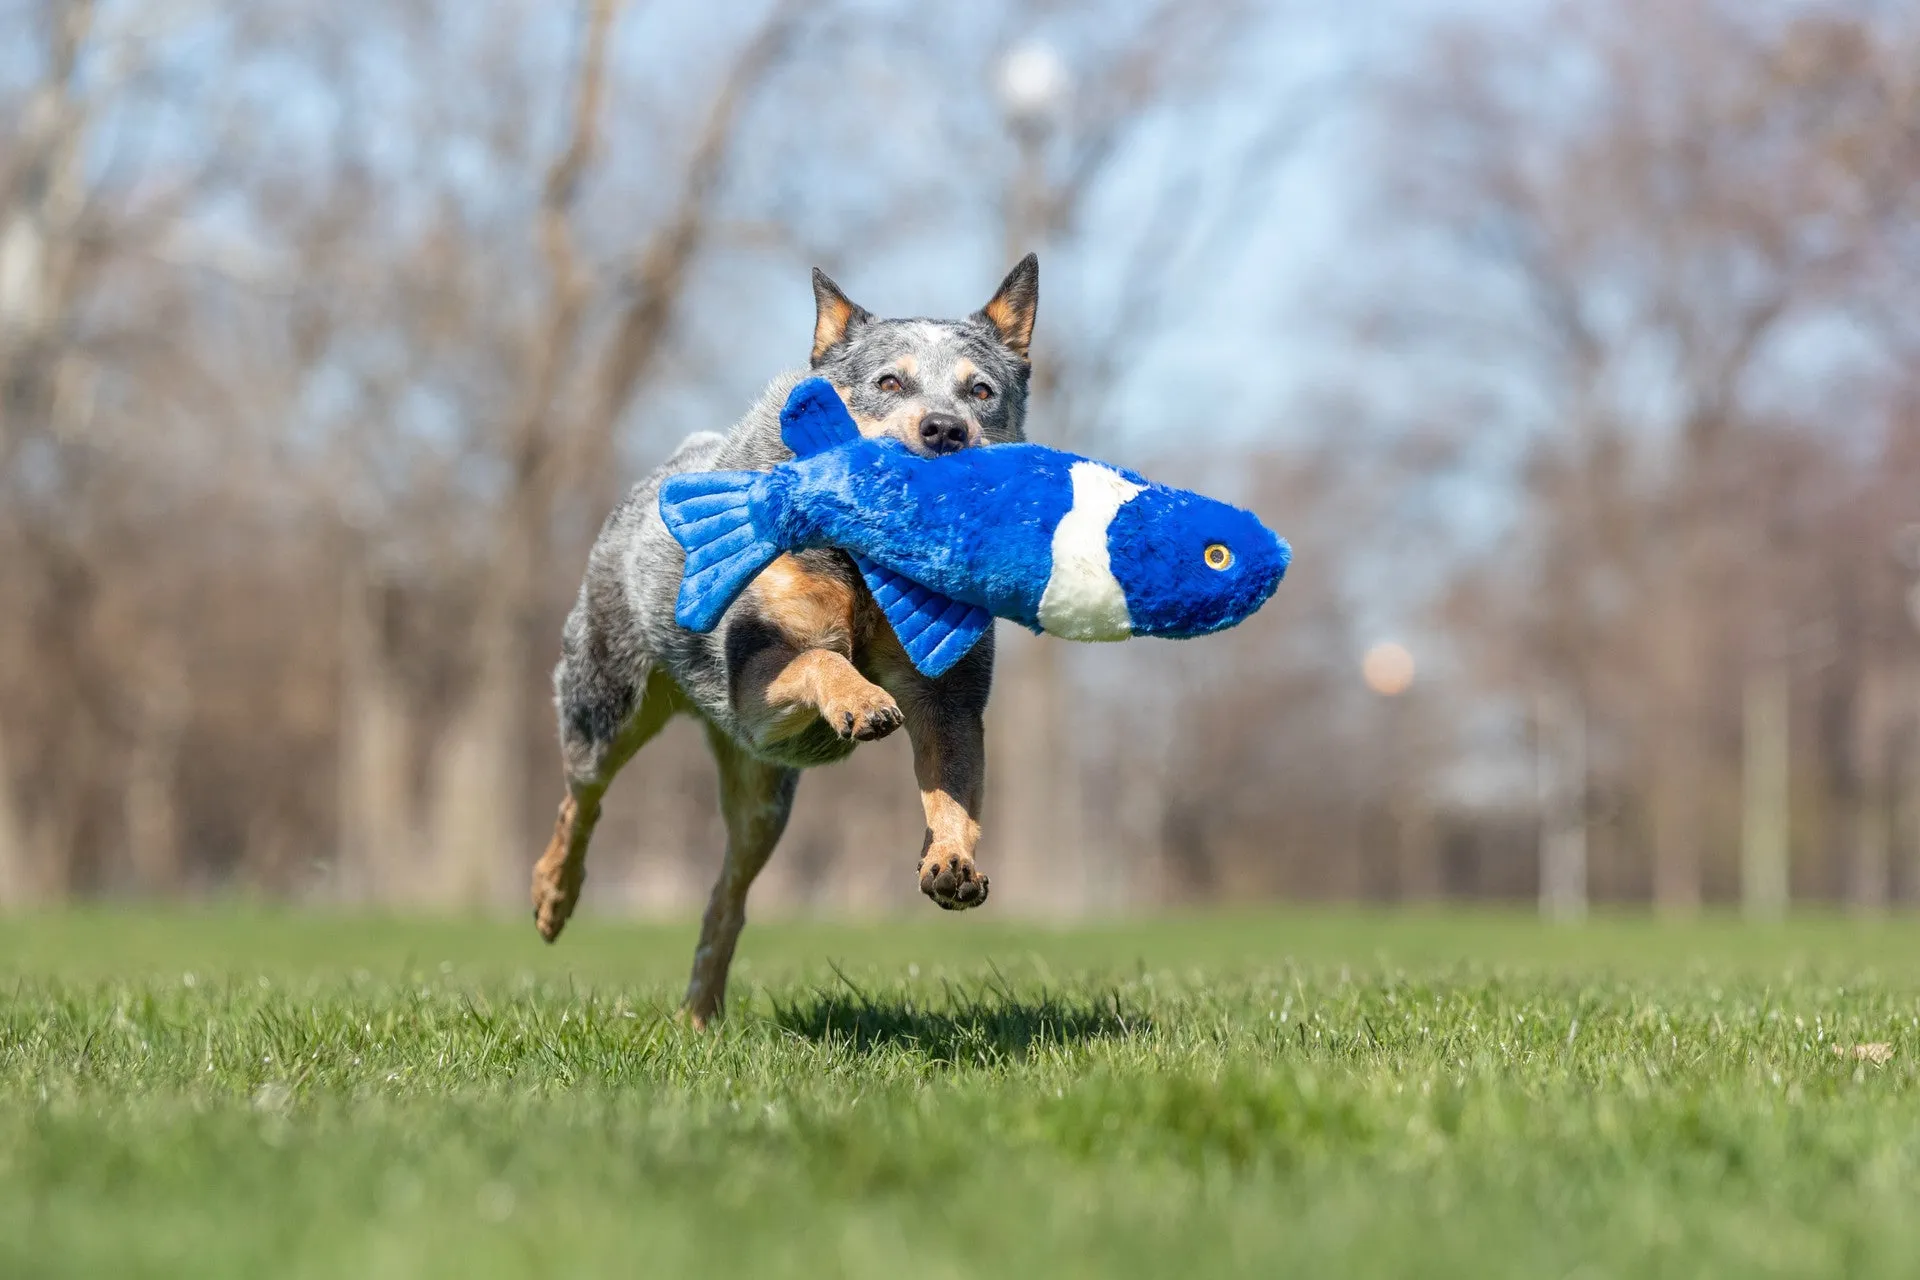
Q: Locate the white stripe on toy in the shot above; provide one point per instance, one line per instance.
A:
(1083, 600)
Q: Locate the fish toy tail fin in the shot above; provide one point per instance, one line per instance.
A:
(815, 419)
(710, 514)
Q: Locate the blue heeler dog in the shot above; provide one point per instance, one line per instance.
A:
(803, 667)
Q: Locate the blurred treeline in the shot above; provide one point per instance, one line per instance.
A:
(329, 332)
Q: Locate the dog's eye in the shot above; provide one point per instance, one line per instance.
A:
(981, 391)
(1218, 557)
(888, 382)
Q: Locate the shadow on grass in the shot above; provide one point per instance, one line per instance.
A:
(963, 1029)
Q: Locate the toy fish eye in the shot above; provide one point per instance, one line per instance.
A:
(1218, 557)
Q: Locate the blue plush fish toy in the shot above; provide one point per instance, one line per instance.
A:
(1056, 542)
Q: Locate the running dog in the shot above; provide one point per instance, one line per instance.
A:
(803, 667)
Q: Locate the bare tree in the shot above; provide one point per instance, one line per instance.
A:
(1715, 186)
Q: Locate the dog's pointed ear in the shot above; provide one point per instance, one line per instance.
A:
(834, 315)
(1012, 309)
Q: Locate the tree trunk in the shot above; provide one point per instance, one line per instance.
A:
(1870, 819)
(378, 853)
(1560, 773)
(1416, 863)
(151, 810)
(1674, 793)
(1678, 721)
(17, 884)
(1766, 780)
(1032, 838)
(1907, 803)
(478, 799)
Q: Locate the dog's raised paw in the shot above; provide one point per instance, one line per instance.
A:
(952, 881)
(870, 716)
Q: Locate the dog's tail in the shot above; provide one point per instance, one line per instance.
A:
(710, 514)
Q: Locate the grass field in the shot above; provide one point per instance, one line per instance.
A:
(249, 1094)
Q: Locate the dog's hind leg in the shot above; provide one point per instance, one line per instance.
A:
(600, 729)
(755, 798)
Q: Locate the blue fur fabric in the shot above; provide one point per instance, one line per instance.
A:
(1044, 538)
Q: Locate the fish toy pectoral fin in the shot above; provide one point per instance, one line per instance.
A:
(709, 513)
(935, 631)
(815, 419)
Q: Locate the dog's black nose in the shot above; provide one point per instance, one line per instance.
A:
(943, 433)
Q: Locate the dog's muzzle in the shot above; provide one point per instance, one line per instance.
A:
(943, 433)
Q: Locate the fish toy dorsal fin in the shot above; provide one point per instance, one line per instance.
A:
(815, 419)
(935, 631)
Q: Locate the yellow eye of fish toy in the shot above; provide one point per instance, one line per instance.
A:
(1218, 557)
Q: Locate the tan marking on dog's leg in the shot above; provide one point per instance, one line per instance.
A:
(562, 869)
(779, 689)
(950, 764)
(853, 706)
(809, 610)
(755, 799)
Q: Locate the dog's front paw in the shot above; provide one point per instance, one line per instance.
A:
(864, 714)
(951, 880)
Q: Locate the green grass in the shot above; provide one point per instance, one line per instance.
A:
(244, 1093)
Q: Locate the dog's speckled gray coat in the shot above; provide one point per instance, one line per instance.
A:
(622, 626)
